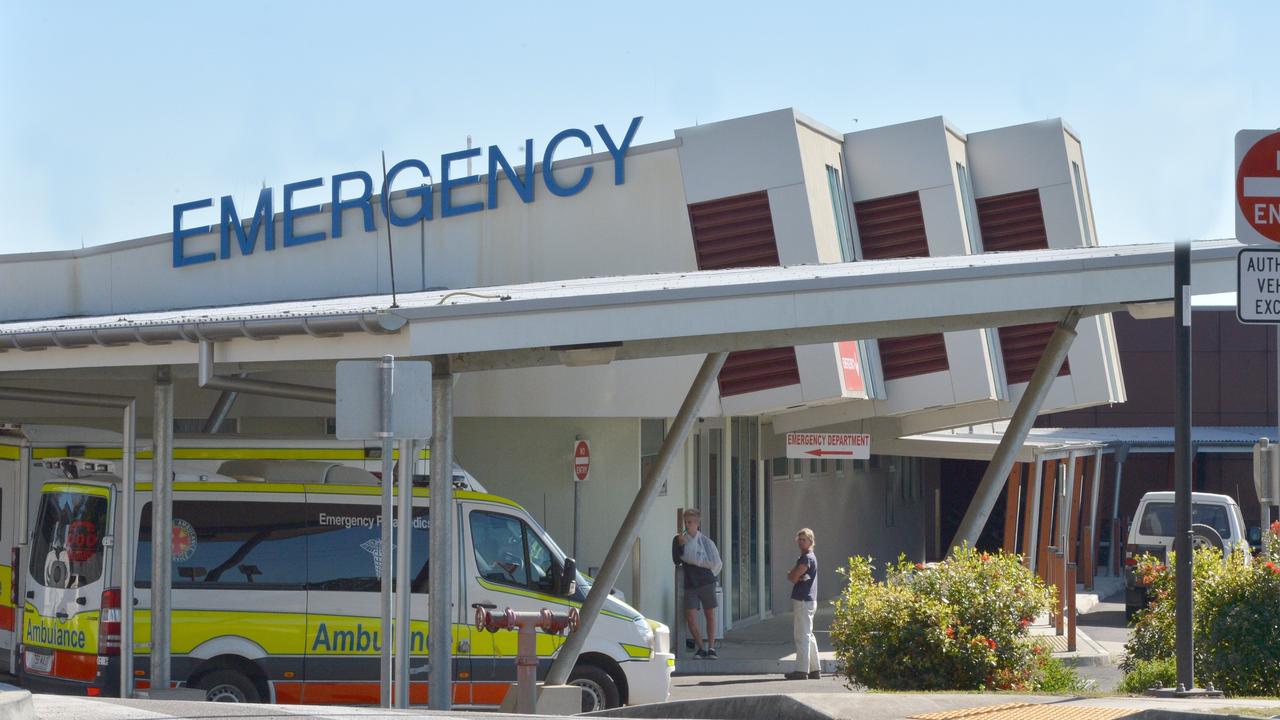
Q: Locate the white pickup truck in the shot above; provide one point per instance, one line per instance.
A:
(1215, 522)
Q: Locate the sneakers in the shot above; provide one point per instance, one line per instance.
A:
(814, 675)
(700, 654)
(711, 654)
(796, 675)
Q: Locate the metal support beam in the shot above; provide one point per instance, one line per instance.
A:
(404, 555)
(440, 606)
(161, 528)
(617, 556)
(221, 409)
(384, 550)
(1183, 456)
(289, 391)
(124, 539)
(1024, 416)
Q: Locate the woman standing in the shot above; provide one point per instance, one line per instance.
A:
(804, 603)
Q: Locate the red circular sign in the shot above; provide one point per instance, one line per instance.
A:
(1258, 187)
(581, 460)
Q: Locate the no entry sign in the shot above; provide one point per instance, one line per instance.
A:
(837, 446)
(581, 460)
(1258, 186)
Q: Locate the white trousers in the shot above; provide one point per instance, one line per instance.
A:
(802, 612)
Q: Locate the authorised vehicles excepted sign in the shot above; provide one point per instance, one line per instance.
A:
(837, 446)
(1258, 296)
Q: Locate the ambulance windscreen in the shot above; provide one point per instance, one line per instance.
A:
(66, 550)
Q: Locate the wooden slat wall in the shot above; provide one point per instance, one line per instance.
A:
(893, 227)
(738, 232)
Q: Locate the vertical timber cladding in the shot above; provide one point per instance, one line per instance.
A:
(1015, 221)
(737, 232)
(893, 227)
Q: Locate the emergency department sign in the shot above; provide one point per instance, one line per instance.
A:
(1258, 294)
(837, 446)
(1258, 187)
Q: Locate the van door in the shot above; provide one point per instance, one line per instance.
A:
(508, 566)
(344, 608)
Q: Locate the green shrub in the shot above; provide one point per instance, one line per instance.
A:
(1145, 674)
(956, 625)
(1054, 676)
(1236, 622)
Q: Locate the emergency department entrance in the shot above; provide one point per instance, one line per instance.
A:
(731, 491)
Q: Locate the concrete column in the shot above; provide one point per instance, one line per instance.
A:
(440, 614)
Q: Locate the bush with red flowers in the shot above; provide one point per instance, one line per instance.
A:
(1236, 621)
(960, 624)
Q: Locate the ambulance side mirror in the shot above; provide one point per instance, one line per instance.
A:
(566, 578)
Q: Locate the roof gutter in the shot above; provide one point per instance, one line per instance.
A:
(373, 323)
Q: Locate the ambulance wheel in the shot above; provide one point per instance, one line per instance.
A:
(228, 686)
(599, 691)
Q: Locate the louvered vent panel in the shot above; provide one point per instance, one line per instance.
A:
(753, 370)
(1015, 221)
(1012, 222)
(910, 356)
(734, 232)
(738, 232)
(1022, 346)
(891, 227)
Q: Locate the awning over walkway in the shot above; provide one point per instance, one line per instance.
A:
(661, 315)
(979, 443)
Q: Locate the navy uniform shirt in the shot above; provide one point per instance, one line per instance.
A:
(807, 587)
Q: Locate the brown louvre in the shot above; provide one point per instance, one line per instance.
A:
(1022, 346)
(1013, 221)
(737, 232)
(914, 355)
(734, 232)
(893, 227)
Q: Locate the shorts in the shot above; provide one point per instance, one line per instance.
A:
(700, 597)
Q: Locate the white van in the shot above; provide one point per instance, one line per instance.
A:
(276, 599)
(1216, 522)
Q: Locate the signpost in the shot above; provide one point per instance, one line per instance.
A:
(581, 473)
(370, 406)
(837, 446)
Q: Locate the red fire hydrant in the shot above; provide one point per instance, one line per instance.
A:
(528, 623)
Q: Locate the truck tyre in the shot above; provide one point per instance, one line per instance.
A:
(1203, 536)
(599, 691)
(228, 686)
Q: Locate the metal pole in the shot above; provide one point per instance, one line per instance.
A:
(20, 540)
(617, 556)
(1066, 500)
(577, 499)
(1117, 543)
(385, 562)
(1092, 529)
(1182, 459)
(404, 556)
(440, 605)
(1024, 416)
(1033, 542)
(220, 411)
(161, 528)
(126, 546)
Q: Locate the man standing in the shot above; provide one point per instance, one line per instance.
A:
(701, 562)
(804, 603)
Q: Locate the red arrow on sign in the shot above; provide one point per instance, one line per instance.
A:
(820, 452)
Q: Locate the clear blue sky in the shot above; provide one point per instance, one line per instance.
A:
(111, 112)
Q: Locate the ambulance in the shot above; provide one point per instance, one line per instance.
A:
(276, 572)
(24, 447)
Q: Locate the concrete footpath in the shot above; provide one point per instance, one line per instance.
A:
(798, 706)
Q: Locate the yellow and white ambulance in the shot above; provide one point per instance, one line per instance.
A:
(275, 591)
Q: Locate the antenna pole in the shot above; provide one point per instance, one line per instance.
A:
(391, 256)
